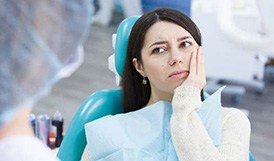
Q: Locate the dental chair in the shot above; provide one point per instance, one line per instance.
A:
(99, 103)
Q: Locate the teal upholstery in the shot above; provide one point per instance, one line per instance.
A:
(122, 36)
(100, 103)
(251, 156)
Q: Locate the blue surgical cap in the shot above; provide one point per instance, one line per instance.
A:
(38, 38)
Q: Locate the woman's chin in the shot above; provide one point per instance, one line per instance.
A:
(180, 82)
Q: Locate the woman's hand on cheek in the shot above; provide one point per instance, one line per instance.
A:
(196, 75)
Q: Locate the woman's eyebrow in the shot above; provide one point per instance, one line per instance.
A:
(164, 42)
(184, 38)
(157, 43)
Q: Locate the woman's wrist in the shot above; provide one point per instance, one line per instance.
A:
(186, 96)
(191, 90)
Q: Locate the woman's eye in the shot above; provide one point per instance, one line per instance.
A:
(186, 44)
(158, 50)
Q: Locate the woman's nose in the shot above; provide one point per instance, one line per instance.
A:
(176, 56)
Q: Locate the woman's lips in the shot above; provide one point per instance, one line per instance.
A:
(179, 74)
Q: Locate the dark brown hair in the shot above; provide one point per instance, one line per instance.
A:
(136, 95)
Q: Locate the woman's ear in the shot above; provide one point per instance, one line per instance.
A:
(139, 67)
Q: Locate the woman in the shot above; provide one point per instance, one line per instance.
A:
(165, 63)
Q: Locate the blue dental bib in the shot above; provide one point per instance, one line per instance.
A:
(145, 134)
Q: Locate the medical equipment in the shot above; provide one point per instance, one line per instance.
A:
(227, 61)
(262, 40)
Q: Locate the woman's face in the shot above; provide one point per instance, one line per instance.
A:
(166, 57)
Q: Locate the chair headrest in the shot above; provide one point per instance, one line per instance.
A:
(122, 36)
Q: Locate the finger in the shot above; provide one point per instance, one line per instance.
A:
(201, 61)
(193, 63)
(201, 64)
